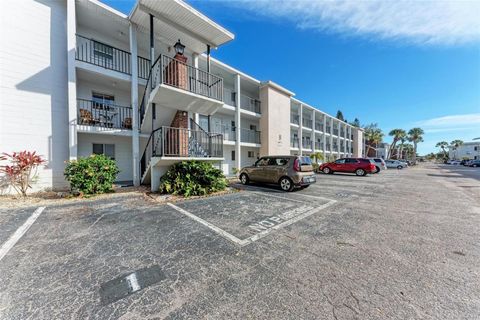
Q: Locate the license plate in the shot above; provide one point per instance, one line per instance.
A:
(309, 179)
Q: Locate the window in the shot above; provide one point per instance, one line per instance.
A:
(233, 155)
(203, 122)
(102, 101)
(350, 160)
(106, 149)
(251, 154)
(475, 148)
(103, 54)
(281, 161)
(305, 161)
(340, 161)
(233, 126)
(262, 162)
(252, 127)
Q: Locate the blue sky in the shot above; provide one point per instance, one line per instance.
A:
(400, 64)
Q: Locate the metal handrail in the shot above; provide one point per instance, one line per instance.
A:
(250, 104)
(250, 136)
(106, 115)
(295, 118)
(106, 56)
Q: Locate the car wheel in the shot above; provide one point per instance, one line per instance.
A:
(475, 165)
(286, 184)
(360, 172)
(244, 178)
(377, 169)
(327, 170)
(399, 167)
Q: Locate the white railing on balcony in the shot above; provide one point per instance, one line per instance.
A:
(307, 123)
(249, 104)
(250, 136)
(229, 97)
(294, 118)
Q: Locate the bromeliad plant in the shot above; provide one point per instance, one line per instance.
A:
(91, 175)
(192, 178)
(22, 170)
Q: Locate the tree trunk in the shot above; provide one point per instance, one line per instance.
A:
(401, 151)
(414, 152)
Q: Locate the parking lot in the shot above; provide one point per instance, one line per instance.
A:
(402, 244)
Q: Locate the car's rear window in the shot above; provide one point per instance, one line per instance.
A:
(377, 160)
(305, 161)
(367, 160)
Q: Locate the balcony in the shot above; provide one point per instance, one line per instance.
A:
(177, 85)
(318, 126)
(229, 97)
(328, 147)
(249, 136)
(329, 129)
(335, 132)
(108, 57)
(294, 143)
(335, 148)
(174, 143)
(295, 119)
(307, 144)
(249, 104)
(103, 115)
(318, 145)
(342, 133)
(307, 123)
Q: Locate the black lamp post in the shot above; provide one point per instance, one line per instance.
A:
(179, 47)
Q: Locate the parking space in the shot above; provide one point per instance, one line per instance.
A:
(402, 244)
(250, 215)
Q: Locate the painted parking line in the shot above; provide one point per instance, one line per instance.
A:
(266, 225)
(20, 232)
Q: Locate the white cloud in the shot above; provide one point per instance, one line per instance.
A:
(455, 122)
(421, 22)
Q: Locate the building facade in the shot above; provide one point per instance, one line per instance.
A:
(81, 78)
(468, 150)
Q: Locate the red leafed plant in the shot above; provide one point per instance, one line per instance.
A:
(22, 170)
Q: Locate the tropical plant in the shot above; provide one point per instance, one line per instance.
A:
(397, 135)
(415, 135)
(22, 170)
(317, 156)
(92, 175)
(373, 137)
(454, 146)
(192, 178)
(442, 145)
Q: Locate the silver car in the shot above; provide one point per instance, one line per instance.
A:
(395, 164)
(379, 164)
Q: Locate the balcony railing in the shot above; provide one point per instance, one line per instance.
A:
(108, 57)
(307, 123)
(318, 145)
(307, 144)
(335, 132)
(181, 143)
(335, 148)
(178, 74)
(329, 129)
(250, 136)
(342, 133)
(328, 147)
(228, 132)
(294, 143)
(229, 97)
(318, 126)
(104, 115)
(249, 104)
(295, 118)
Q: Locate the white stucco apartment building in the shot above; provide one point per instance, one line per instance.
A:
(468, 150)
(78, 77)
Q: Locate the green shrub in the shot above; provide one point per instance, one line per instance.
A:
(92, 175)
(192, 178)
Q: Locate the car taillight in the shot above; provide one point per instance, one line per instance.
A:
(296, 165)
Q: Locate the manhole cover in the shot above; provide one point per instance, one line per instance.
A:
(127, 284)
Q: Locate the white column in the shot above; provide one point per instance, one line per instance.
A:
(300, 131)
(72, 81)
(313, 131)
(330, 120)
(238, 148)
(134, 102)
(338, 139)
(196, 116)
(324, 137)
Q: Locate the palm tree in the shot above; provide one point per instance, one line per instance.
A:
(415, 135)
(408, 151)
(442, 145)
(402, 144)
(397, 134)
(373, 136)
(316, 156)
(454, 145)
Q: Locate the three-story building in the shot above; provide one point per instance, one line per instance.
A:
(81, 78)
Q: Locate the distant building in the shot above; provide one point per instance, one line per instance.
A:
(470, 150)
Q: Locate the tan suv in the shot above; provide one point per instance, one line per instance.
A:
(286, 171)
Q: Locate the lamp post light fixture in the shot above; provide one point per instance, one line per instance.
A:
(179, 47)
